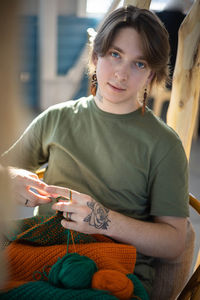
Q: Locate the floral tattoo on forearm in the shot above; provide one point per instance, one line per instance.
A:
(98, 217)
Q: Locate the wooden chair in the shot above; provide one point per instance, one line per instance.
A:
(191, 291)
(172, 277)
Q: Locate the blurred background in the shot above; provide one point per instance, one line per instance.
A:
(53, 38)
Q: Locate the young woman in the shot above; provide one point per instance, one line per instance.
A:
(127, 169)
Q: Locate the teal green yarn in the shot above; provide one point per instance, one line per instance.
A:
(73, 271)
(139, 289)
(43, 290)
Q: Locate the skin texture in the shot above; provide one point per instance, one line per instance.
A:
(27, 186)
(149, 238)
(122, 73)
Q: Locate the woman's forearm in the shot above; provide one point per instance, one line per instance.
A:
(164, 238)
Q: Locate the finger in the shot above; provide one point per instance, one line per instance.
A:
(68, 216)
(42, 192)
(37, 199)
(43, 201)
(64, 206)
(69, 225)
(62, 191)
(75, 217)
(34, 176)
(36, 183)
(29, 203)
(38, 191)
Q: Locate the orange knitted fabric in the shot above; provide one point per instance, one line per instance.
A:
(113, 281)
(25, 259)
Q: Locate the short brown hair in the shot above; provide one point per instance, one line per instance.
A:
(153, 34)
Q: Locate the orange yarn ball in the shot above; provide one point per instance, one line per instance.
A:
(117, 283)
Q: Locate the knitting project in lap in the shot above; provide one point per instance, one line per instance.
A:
(40, 246)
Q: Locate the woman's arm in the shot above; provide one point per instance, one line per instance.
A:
(24, 157)
(164, 238)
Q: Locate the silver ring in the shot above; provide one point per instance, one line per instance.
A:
(68, 216)
(70, 195)
(26, 202)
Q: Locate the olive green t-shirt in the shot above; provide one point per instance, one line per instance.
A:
(131, 163)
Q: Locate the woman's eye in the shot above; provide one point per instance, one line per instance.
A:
(140, 65)
(114, 54)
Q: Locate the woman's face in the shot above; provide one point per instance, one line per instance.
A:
(122, 73)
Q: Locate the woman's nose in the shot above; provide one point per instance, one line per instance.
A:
(121, 73)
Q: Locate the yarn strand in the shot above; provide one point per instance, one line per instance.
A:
(68, 236)
(70, 231)
(73, 241)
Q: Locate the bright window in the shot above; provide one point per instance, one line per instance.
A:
(100, 7)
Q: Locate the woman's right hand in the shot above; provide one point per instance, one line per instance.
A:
(27, 188)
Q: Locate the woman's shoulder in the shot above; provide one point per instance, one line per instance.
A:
(165, 145)
(160, 129)
(162, 139)
(66, 107)
(70, 105)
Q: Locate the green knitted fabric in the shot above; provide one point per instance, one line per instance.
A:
(46, 231)
(42, 290)
(45, 291)
(21, 225)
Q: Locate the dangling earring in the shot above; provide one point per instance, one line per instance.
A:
(94, 84)
(144, 101)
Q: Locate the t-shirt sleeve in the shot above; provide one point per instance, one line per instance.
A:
(28, 151)
(169, 185)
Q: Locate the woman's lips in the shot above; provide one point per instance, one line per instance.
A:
(115, 88)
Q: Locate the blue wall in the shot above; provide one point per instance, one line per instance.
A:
(28, 39)
(72, 36)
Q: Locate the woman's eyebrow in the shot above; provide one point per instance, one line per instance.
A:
(139, 57)
(116, 48)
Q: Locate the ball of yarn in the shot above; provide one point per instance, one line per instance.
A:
(73, 271)
(117, 283)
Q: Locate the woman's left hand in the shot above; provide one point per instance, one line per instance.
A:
(82, 213)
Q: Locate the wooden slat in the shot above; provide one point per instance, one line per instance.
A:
(192, 289)
(184, 101)
(195, 203)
